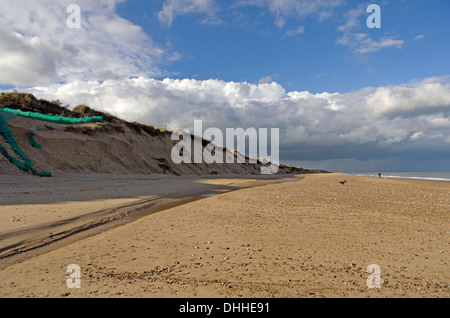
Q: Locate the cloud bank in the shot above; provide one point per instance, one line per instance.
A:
(371, 123)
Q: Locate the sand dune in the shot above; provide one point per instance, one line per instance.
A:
(67, 150)
(113, 146)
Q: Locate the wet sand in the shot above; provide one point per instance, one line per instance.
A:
(37, 213)
(311, 238)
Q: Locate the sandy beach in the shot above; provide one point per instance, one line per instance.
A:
(310, 237)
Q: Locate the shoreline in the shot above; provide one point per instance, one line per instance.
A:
(394, 175)
(277, 240)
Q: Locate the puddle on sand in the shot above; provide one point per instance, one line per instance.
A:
(207, 195)
(166, 206)
(170, 205)
(295, 180)
(162, 207)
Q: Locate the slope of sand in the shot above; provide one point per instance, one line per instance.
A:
(310, 238)
(117, 148)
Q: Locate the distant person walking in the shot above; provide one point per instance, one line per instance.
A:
(379, 175)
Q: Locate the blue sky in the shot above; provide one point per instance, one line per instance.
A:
(247, 45)
(344, 96)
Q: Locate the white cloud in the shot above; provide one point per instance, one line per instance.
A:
(39, 47)
(360, 42)
(384, 116)
(172, 9)
(293, 32)
(419, 37)
(420, 99)
(285, 9)
(416, 135)
(266, 79)
(25, 60)
(365, 44)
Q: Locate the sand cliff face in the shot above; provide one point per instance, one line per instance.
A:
(77, 149)
(113, 146)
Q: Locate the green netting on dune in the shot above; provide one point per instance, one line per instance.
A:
(12, 113)
(33, 142)
(8, 137)
(25, 163)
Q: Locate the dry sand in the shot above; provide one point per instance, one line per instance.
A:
(310, 238)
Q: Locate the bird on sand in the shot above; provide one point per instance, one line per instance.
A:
(343, 182)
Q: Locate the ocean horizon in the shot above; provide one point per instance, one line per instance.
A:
(436, 176)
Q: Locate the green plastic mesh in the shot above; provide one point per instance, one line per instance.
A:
(25, 163)
(8, 136)
(33, 142)
(12, 113)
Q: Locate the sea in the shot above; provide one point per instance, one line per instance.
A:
(436, 176)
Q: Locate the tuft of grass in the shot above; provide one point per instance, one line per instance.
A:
(27, 102)
(94, 128)
(149, 129)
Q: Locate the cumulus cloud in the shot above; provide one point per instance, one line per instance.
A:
(267, 79)
(37, 46)
(24, 60)
(423, 98)
(363, 124)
